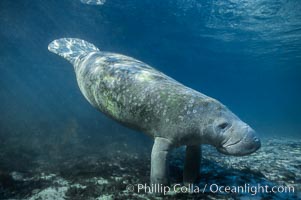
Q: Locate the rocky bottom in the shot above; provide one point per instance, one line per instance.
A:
(116, 176)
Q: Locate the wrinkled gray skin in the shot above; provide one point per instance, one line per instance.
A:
(140, 97)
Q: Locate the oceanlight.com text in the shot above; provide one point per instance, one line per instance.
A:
(210, 188)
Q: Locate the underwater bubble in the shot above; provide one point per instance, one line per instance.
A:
(93, 2)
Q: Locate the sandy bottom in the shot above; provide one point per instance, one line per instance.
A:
(107, 176)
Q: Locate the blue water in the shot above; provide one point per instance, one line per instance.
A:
(247, 54)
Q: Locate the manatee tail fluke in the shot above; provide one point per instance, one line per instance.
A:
(71, 48)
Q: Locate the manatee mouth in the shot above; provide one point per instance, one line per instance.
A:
(241, 147)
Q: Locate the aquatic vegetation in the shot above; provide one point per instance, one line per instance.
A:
(91, 177)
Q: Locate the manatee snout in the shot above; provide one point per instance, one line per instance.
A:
(240, 141)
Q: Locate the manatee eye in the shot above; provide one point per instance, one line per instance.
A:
(223, 125)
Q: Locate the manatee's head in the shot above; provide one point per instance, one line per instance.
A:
(228, 133)
(235, 137)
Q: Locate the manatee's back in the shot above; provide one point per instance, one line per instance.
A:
(124, 88)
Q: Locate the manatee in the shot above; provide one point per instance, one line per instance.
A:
(143, 98)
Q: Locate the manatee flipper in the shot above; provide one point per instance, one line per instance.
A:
(192, 163)
(159, 161)
(71, 48)
(93, 2)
